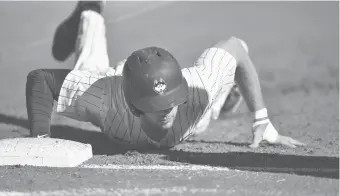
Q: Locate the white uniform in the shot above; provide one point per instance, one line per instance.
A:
(98, 98)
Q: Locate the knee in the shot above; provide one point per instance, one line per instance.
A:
(35, 75)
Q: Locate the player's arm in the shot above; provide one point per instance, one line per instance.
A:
(245, 76)
(247, 79)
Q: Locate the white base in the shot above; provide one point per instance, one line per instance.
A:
(48, 152)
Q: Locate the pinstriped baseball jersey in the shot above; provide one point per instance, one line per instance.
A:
(99, 99)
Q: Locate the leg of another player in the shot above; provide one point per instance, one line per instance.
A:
(42, 89)
(91, 45)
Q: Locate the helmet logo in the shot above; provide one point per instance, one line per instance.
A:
(159, 86)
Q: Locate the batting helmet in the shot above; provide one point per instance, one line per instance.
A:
(153, 81)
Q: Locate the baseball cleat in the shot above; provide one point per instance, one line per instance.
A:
(65, 36)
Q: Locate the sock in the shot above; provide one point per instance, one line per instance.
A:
(91, 46)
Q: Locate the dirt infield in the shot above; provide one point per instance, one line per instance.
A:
(294, 45)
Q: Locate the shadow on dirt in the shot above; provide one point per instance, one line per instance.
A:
(317, 166)
(238, 144)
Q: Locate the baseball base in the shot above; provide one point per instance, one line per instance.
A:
(48, 152)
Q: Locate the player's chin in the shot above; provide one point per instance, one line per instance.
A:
(166, 125)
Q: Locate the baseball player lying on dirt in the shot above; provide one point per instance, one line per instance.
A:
(147, 99)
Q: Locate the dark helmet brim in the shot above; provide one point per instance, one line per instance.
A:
(168, 100)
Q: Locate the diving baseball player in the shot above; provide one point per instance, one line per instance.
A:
(147, 99)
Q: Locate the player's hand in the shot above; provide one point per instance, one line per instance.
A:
(288, 141)
(267, 132)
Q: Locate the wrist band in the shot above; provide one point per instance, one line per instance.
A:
(260, 122)
(261, 113)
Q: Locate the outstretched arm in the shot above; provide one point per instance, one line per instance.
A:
(246, 76)
(247, 79)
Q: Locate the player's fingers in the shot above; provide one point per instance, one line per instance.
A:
(289, 144)
(285, 141)
(257, 138)
(297, 143)
(254, 145)
(293, 141)
(256, 142)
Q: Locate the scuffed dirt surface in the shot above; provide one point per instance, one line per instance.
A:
(218, 183)
(294, 46)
